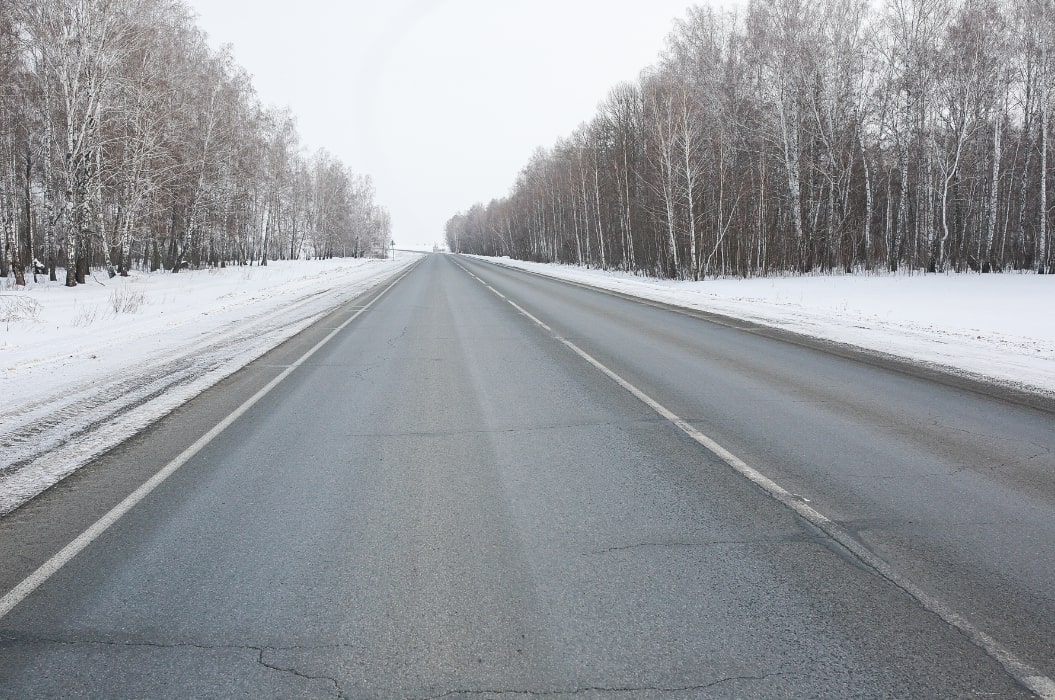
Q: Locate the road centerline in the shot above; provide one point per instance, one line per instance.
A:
(1020, 671)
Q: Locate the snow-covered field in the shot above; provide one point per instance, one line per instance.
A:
(999, 327)
(83, 369)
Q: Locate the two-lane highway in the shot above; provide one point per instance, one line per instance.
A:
(447, 500)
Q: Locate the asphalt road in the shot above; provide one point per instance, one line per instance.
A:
(446, 500)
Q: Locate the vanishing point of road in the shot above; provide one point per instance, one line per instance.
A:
(485, 483)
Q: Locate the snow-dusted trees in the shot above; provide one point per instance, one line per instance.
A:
(806, 135)
(126, 141)
(340, 217)
(80, 46)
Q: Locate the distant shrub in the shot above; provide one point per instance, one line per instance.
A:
(85, 316)
(126, 300)
(18, 307)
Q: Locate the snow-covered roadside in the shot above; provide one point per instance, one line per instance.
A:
(1000, 327)
(83, 369)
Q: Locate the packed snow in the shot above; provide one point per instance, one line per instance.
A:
(85, 368)
(1000, 327)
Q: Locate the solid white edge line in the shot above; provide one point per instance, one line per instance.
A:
(1022, 672)
(19, 593)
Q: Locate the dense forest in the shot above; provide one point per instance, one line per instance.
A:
(799, 136)
(127, 142)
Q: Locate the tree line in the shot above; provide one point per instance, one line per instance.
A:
(804, 135)
(127, 142)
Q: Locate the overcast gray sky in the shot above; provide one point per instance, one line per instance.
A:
(440, 101)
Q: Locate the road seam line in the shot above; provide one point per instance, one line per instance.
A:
(1020, 671)
(19, 593)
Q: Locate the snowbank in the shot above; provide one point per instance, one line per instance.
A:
(85, 368)
(1000, 327)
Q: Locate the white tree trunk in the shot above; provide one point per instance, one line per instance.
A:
(868, 199)
(790, 139)
(994, 194)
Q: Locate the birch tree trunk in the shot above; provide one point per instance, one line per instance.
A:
(867, 233)
(1042, 223)
(994, 196)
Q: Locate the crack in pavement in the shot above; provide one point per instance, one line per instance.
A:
(293, 671)
(258, 650)
(261, 651)
(992, 438)
(20, 638)
(1040, 449)
(790, 539)
(1045, 452)
(391, 342)
(6, 640)
(601, 689)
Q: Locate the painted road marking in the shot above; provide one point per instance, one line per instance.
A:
(1022, 672)
(19, 593)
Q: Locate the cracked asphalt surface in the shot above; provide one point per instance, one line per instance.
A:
(446, 502)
